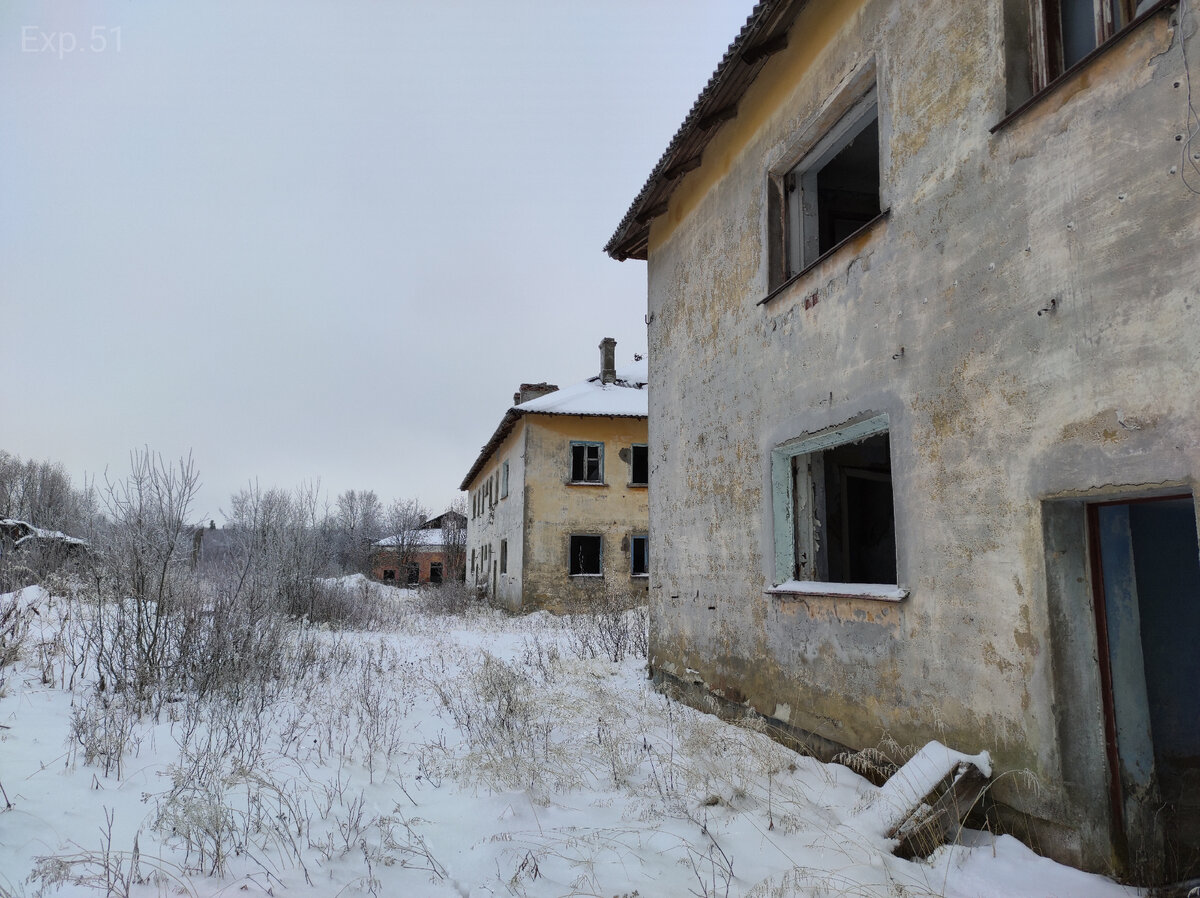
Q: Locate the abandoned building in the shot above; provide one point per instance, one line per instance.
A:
(557, 496)
(430, 555)
(26, 549)
(925, 430)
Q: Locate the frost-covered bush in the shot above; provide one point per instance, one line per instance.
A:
(609, 629)
(15, 614)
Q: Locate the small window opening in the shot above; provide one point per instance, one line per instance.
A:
(586, 464)
(854, 540)
(435, 572)
(639, 474)
(585, 556)
(834, 190)
(639, 556)
(504, 556)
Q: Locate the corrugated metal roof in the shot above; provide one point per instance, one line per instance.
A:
(764, 33)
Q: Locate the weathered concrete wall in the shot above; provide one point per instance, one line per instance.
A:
(556, 508)
(499, 518)
(993, 408)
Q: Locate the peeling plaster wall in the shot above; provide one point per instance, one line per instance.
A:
(993, 408)
(503, 520)
(554, 509)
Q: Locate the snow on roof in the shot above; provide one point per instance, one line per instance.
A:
(624, 398)
(415, 538)
(12, 526)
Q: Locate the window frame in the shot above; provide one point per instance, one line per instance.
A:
(1033, 53)
(794, 528)
(633, 466)
(585, 445)
(799, 187)
(1049, 48)
(634, 539)
(504, 480)
(504, 556)
(436, 573)
(599, 572)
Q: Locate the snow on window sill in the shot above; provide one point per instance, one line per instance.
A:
(881, 592)
(586, 576)
(640, 576)
(586, 483)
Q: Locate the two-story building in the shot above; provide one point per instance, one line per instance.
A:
(557, 497)
(924, 333)
(430, 554)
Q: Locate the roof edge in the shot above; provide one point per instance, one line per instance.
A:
(764, 34)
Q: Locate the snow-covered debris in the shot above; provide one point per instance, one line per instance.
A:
(909, 786)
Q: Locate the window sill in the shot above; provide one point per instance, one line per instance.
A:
(586, 576)
(585, 483)
(833, 250)
(1070, 73)
(640, 576)
(637, 486)
(879, 592)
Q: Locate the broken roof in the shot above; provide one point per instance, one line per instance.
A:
(764, 33)
(422, 538)
(624, 398)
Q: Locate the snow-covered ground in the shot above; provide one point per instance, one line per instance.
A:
(474, 755)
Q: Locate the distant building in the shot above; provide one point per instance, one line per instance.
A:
(429, 555)
(36, 550)
(557, 498)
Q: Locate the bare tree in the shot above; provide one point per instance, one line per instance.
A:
(403, 523)
(143, 568)
(454, 539)
(40, 493)
(357, 523)
(282, 544)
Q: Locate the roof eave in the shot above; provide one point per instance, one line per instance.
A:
(764, 34)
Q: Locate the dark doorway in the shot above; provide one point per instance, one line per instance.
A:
(1146, 582)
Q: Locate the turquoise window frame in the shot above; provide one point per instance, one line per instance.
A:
(788, 530)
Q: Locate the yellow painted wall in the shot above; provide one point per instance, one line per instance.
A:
(554, 509)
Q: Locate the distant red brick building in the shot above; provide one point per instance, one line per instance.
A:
(429, 555)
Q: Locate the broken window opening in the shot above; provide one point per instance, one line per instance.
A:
(435, 572)
(834, 190)
(639, 465)
(389, 574)
(587, 462)
(504, 556)
(412, 572)
(834, 510)
(1061, 34)
(639, 555)
(585, 556)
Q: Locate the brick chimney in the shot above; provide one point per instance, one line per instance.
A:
(608, 360)
(532, 391)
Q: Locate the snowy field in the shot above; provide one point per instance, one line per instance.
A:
(469, 755)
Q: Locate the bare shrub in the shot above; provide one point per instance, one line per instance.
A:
(509, 728)
(608, 628)
(15, 615)
(452, 597)
(218, 808)
(105, 727)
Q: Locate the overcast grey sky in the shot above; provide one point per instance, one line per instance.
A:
(327, 239)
